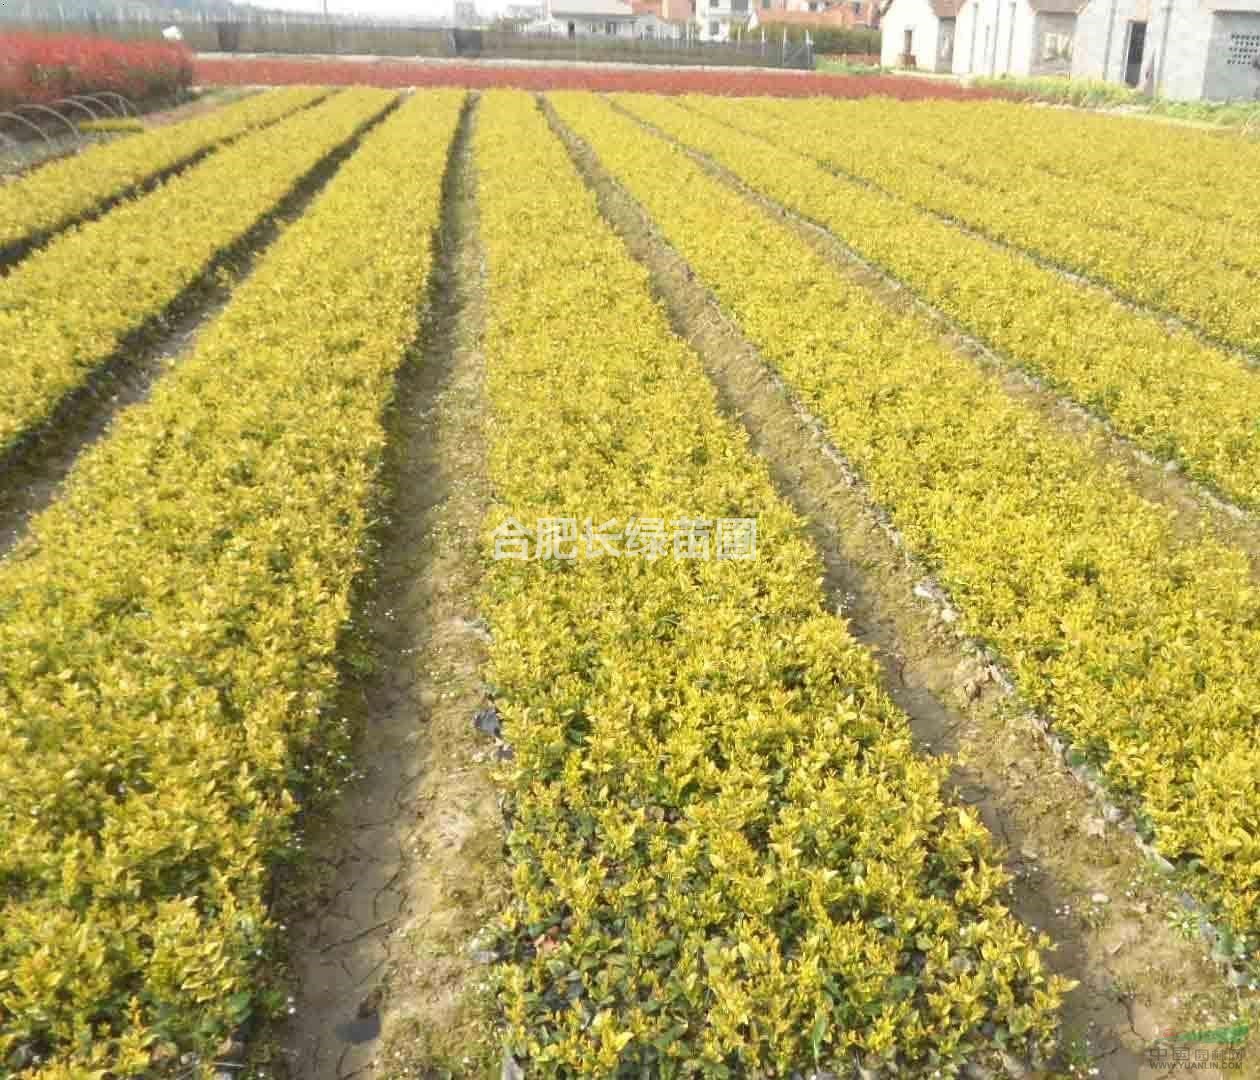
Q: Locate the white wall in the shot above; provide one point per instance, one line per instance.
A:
(1187, 47)
(709, 12)
(1222, 79)
(1092, 48)
(592, 26)
(966, 48)
(916, 15)
(994, 37)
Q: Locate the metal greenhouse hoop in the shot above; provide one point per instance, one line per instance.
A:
(108, 109)
(126, 103)
(77, 105)
(53, 112)
(29, 123)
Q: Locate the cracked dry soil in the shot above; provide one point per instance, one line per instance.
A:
(411, 863)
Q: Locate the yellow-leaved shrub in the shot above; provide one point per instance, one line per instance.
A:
(1170, 393)
(58, 193)
(1141, 647)
(168, 633)
(728, 859)
(66, 310)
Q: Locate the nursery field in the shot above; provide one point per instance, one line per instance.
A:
(563, 584)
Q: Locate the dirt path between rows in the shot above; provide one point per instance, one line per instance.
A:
(410, 864)
(1074, 874)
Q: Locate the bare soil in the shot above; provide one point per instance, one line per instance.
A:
(408, 868)
(1113, 918)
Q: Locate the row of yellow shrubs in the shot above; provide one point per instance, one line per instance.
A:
(728, 859)
(61, 191)
(169, 629)
(1171, 394)
(65, 310)
(1166, 257)
(1142, 648)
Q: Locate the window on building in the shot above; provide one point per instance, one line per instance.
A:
(610, 28)
(1056, 46)
(1244, 49)
(857, 7)
(714, 29)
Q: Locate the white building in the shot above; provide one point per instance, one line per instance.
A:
(524, 12)
(1015, 37)
(1181, 49)
(918, 34)
(590, 18)
(721, 20)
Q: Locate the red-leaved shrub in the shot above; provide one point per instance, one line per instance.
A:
(38, 68)
(739, 82)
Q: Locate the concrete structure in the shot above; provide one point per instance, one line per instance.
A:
(1015, 37)
(1182, 49)
(918, 34)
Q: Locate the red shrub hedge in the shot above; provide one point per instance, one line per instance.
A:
(43, 67)
(740, 82)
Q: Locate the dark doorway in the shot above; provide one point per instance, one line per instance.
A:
(572, 30)
(1133, 55)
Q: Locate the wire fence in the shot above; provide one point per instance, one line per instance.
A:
(285, 34)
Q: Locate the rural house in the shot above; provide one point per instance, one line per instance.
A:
(1015, 37)
(666, 18)
(918, 34)
(719, 20)
(1181, 49)
(591, 18)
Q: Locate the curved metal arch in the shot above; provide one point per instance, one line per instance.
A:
(95, 99)
(126, 102)
(30, 124)
(77, 105)
(53, 112)
(88, 99)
